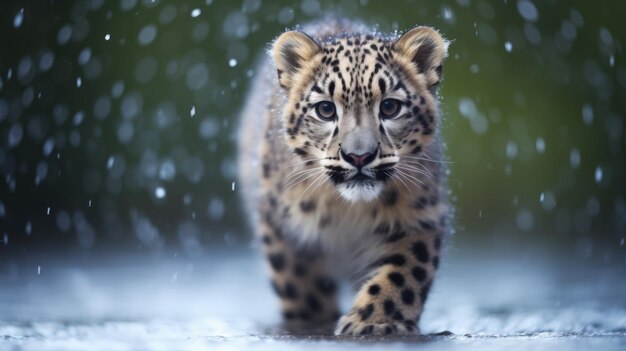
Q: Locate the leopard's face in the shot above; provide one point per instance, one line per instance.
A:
(360, 109)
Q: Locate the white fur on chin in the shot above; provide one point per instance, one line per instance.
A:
(360, 192)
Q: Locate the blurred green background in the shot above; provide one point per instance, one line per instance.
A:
(117, 119)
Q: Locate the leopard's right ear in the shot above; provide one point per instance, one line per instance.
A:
(291, 51)
(427, 49)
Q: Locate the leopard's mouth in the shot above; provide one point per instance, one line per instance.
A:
(360, 178)
(368, 176)
(362, 185)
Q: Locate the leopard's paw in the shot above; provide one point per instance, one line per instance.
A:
(352, 324)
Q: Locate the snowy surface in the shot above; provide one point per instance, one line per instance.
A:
(221, 300)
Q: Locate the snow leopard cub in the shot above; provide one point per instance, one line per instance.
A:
(341, 169)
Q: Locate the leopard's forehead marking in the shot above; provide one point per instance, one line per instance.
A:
(357, 71)
(351, 67)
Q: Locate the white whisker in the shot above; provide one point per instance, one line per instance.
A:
(320, 176)
(395, 176)
(294, 174)
(313, 172)
(408, 175)
(425, 173)
(296, 178)
(423, 159)
(301, 162)
(417, 167)
(410, 178)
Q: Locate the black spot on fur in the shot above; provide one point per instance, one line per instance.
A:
(345, 328)
(324, 221)
(398, 316)
(409, 324)
(420, 203)
(396, 278)
(418, 273)
(304, 315)
(395, 236)
(294, 131)
(427, 225)
(317, 89)
(300, 152)
(307, 206)
(389, 307)
(408, 296)
(326, 286)
(388, 330)
(290, 293)
(300, 270)
(396, 260)
(289, 315)
(433, 200)
(277, 261)
(382, 228)
(266, 239)
(374, 289)
(314, 303)
(420, 251)
(390, 198)
(366, 312)
(367, 330)
(382, 85)
(436, 262)
(272, 201)
(331, 88)
(266, 170)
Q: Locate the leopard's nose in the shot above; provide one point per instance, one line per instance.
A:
(358, 161)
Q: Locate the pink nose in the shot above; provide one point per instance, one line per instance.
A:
(359, 160)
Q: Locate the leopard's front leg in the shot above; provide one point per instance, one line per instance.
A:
(392, 299)
(307, 293)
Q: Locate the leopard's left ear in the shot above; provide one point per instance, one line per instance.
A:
(291, 51)
(427, 49)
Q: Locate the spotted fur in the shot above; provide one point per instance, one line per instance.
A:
(358, 195)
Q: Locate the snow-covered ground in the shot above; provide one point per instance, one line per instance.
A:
(221, 300)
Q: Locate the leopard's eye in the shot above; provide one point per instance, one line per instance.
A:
(389, 108)
(326, 111)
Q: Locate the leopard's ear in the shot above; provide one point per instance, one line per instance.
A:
(291, 51)
(427, 49)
